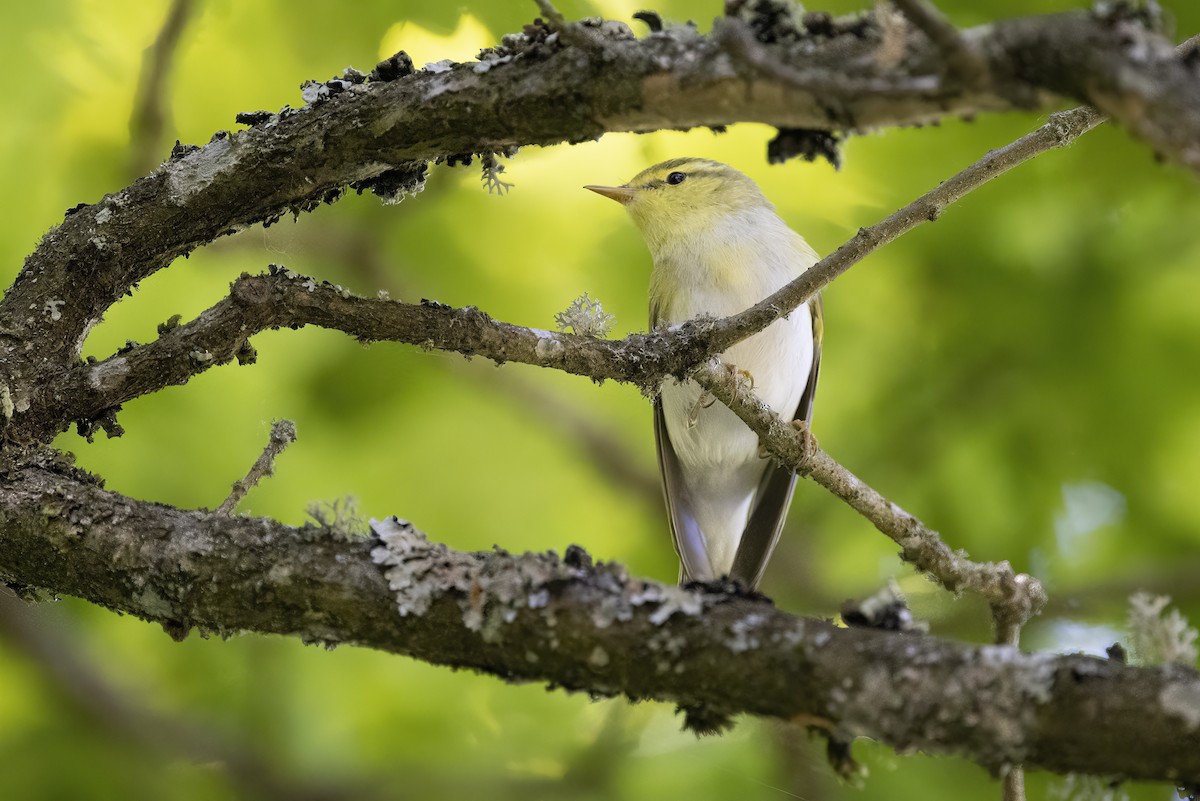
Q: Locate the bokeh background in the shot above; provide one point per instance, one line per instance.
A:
(1022, 375)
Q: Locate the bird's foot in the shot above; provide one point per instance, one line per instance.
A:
(739, 377)
(703, 402)
(725, 585)
(808, 441)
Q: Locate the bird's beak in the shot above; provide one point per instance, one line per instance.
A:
(621, 194)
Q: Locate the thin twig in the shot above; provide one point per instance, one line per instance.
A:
(570, 32)
(1013, 784)
(150, 112)
(1061, 129)
(283, 433)
(552, 14)
(1013, 597)
(965, 63)
(736, 39)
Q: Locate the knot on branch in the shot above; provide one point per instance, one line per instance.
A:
(677, 351)
(1147, 15)
(1016, 599)
(590, 33)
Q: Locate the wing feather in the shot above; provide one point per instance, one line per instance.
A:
(774, 494)
(685, 531)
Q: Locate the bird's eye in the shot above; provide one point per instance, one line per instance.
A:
(676, 178)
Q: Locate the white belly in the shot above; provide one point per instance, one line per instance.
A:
(778, 360)
(718, 454)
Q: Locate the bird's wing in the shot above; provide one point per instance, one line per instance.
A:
(685, 531)
(689, 539)
(775, 492)
(816, 310)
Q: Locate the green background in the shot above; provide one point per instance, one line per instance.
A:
(1022, 375)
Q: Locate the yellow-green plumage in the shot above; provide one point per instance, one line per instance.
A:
(718, 248)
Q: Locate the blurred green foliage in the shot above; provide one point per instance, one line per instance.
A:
(1021, 374)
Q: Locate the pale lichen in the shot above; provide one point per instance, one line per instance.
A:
(548, 346)
(585, 317)
(492, 589)
(198, 169)
(491, 179)
(671, 601)
(1080, 787)
(407, 557)
(6, 402)
(1182, 700)
(598, 658)
(1157, 638)
(744, 636)
(53, 309)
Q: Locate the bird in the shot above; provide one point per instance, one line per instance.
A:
(718, 247)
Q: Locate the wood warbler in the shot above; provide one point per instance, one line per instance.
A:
(719, 248)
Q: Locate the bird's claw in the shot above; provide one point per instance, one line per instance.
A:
(808, 441)
(739, 377)
(705, 400)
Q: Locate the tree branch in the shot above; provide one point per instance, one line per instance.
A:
(283, 433)
(150, 113)
(516, 97)
(222, 334)
(282, 298)
(963, 61)
(256, 303)
(537, 618)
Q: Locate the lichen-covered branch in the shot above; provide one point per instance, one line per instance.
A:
(540, 90)
(150, 107)
(536, 617)
(282, 298)
(283, 433)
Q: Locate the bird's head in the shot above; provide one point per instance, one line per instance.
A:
(685, 197)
